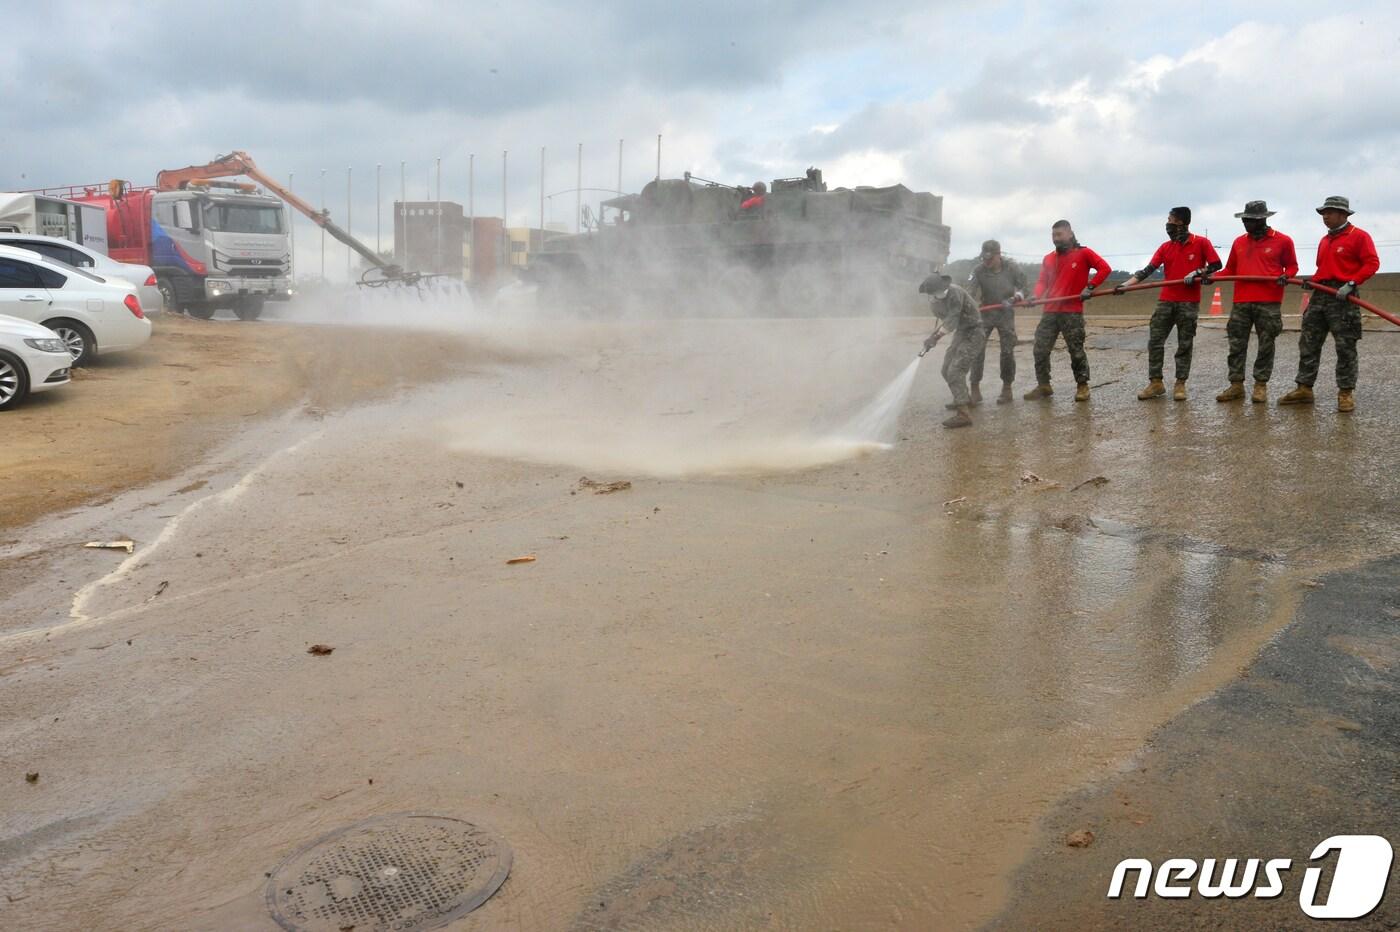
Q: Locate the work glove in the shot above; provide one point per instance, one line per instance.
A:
(1087, 293)
(1282, 280)
(1008, 304)
(1306, 283)
(1018, 297)
(1190, 278)
(932, 340)
(1348, 289)
(1120, 288)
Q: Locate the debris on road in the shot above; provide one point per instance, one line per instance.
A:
(955, 501)
(1097, 482)
(528, 558)
(164, 584)
(1028, 478)
(32, 777)
(320, 650)
(128, 545)
(604, 488)
(1080, 839)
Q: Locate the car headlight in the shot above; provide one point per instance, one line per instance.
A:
(217, 283)
(47, 345)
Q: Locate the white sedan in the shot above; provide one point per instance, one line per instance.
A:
(82, 257)
(32, 359)
(92, 314)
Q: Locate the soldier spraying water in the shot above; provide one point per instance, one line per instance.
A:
(957, 313)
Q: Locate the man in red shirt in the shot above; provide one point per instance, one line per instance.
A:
(755, 201)
(1256, 306)
(1346, 258)
(1064, 274)
(1190, 258)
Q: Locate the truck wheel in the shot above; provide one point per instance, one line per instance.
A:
(14, 381)
(76, 337)
(202, 311)
(167, 294)
(249, 308)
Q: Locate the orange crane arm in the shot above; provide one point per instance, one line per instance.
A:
(241, 163)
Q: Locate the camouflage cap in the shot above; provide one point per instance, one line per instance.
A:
(991, 248)
(935, 283)
(1256, 210)
(1337, 202)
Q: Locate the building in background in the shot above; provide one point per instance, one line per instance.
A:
(474, 249)
(527, 241)
(429, 235)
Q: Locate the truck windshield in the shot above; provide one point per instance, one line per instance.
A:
(242, 218)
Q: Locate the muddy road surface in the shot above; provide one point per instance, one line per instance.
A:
(784, 679)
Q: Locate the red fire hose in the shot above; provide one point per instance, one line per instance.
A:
(1143, 286)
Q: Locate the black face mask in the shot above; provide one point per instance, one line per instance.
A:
(1255, 227)
(1177, 232)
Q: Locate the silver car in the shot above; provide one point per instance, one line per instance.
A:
(141, 277)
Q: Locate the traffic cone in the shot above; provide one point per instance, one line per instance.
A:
(1216, 308)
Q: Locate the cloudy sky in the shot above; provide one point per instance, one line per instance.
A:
(1018, 114)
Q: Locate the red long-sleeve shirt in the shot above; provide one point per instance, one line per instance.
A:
(1066, 273)
(1272, 255)
(1180, 259)
(1347, 255)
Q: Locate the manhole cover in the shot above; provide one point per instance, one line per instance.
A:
(402, 872)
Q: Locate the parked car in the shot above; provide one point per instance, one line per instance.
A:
(85, 257)
(92, 314)
(32, 359)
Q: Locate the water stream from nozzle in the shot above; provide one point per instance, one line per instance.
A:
(878, 421)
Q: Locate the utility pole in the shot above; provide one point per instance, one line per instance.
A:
(437, 254)
(505, 203)
(292, 230)
(323, 229)
(349, 253)
(471, 216)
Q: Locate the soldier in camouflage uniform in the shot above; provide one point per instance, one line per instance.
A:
(996, 281)
(1346, 259)
(957, 313)
(1257, 305)
(1185, 260)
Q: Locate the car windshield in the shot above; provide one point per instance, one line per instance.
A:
(242, 218)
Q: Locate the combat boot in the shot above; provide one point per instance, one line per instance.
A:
(1005, 397)
(1179, 390)
(1260, 394)
(976, 395)
(1040, 391)
(1345, 402)
(1302, 395)
(1234, 393)
(1082, 392)
(1154, 389)
(960, 418)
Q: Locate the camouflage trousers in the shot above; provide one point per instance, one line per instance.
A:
(1052, 326)
(1265, 319)
(967, 347)
(1168, 314)
(1002, 321)
(1329, 314)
